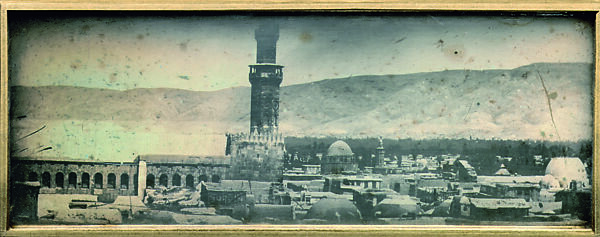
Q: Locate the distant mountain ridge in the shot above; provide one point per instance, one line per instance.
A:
(454, 104)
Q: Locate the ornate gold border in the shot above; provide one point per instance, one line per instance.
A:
(302, 5)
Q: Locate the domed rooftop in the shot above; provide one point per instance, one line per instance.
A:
(502, 171)
(339, 148)
(566, 169)
(336, 210)
(549, 182)
(398, 206)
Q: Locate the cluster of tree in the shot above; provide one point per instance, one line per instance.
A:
(481, 153)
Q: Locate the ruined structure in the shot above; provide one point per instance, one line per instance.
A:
(67, 176)
(181, 170)
(259, 154)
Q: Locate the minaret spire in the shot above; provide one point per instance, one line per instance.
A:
(265, 77)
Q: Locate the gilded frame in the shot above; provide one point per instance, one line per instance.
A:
(301, 5)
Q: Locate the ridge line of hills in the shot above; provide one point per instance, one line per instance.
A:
(498, 103)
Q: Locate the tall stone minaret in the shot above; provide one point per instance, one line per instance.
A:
(380, 154)
(265, 77)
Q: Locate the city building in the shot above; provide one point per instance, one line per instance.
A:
(464, 171)
(527, 191)
(489, 208)
(68, 176)
(340, 184)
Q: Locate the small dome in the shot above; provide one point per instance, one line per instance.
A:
(549, 182)
(502, 171)
(339, 148)
(567, 169)
(335, 210)
(397, 206)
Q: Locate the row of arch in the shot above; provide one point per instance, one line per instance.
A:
(59, 180)
(163, 180)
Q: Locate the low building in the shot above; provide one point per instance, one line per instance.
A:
(339, 183)
(576, 202)
(430, 190)
(527, 191)
(489, 208)
(305, 185)
(306, 173)
(214, 197)
(464, 171)
(399, 183)
(311, 169)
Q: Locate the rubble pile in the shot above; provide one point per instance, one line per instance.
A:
(173, 199)
(200, 211)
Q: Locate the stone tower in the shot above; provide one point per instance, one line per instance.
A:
(258, 155)
(265, 77)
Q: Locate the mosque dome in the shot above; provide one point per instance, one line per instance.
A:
(339, 148)
(567, 169)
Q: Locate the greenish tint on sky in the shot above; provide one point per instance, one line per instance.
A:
(212, 52)
(207, 53)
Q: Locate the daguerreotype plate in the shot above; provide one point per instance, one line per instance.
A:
(428, 122)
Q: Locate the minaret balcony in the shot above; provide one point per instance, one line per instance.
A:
(270, 72)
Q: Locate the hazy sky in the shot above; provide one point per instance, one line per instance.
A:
(119, 51)
(212, 52)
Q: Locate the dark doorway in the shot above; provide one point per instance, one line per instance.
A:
(189, 181)
(59, 180)
(46, 180)
(163, 180)
(112, 181)
(85, 180)
(125, 181)
(72, 180)
(150, 181)
(98, 180)
(176, 180)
